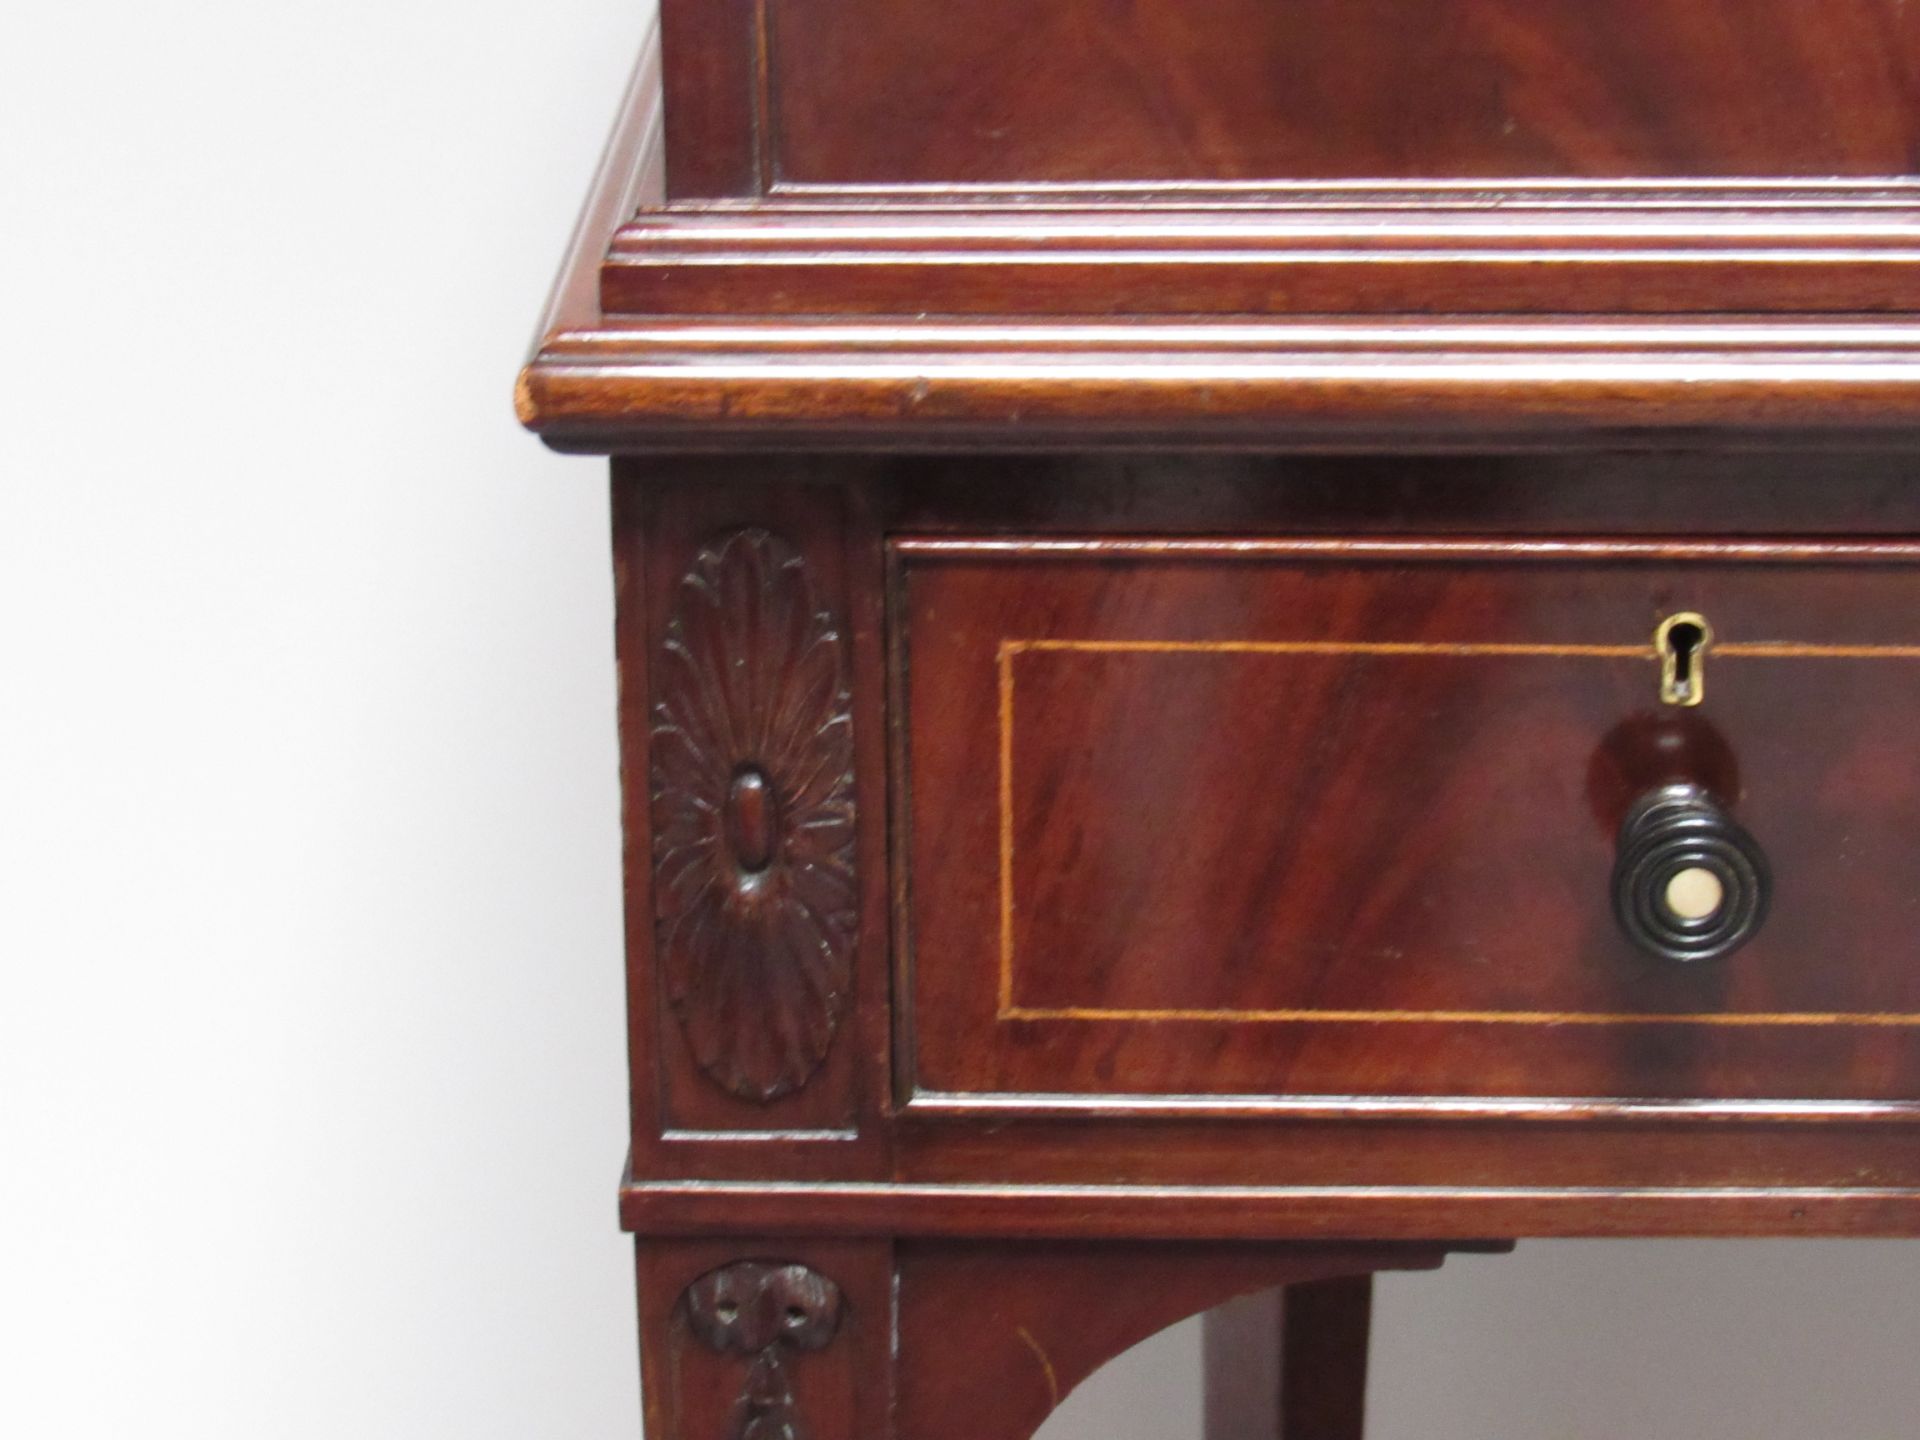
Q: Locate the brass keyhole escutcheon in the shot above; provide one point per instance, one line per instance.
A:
(1682, 642)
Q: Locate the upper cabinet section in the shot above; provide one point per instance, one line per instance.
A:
(1035, 223)
(772, 95)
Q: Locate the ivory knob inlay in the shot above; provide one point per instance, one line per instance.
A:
(1695, 893)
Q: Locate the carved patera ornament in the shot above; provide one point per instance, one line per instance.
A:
(753, 817)
(761, 1310)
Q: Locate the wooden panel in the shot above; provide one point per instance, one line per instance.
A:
(1330, 819)
(890, 91)
(745, 977)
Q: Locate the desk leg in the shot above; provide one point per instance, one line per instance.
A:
(765, 1338)
(1290, 1363)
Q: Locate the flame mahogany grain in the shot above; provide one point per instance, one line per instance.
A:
(1336, 818)
(886, 92)
(1309, 409)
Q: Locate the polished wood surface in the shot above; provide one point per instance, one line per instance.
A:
(737, 310)
(798, 93)
(1324, 1334)
(1698, 251)
(1018, 387)
(1337, 817)
(938, 1340)
(884, 91)
(1283, 313)
(1686, 1134)
(1140, 536)
(685, 1033)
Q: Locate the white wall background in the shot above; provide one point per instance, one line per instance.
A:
(310, 1049)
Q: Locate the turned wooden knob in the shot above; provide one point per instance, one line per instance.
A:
(1689, 884)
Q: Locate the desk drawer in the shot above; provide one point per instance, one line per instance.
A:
(1332, 819)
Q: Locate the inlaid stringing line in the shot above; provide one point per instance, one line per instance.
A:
(1009, 648)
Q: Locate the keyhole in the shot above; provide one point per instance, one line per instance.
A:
(1682, 642)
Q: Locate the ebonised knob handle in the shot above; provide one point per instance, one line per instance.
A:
(1689, 884)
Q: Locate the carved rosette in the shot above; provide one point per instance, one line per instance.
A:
(762, 1311)
(753, 817)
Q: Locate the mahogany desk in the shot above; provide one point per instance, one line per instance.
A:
(1259, 639)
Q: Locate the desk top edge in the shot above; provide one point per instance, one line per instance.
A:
(1361, 315)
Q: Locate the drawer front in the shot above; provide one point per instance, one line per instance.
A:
(1342, 819)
